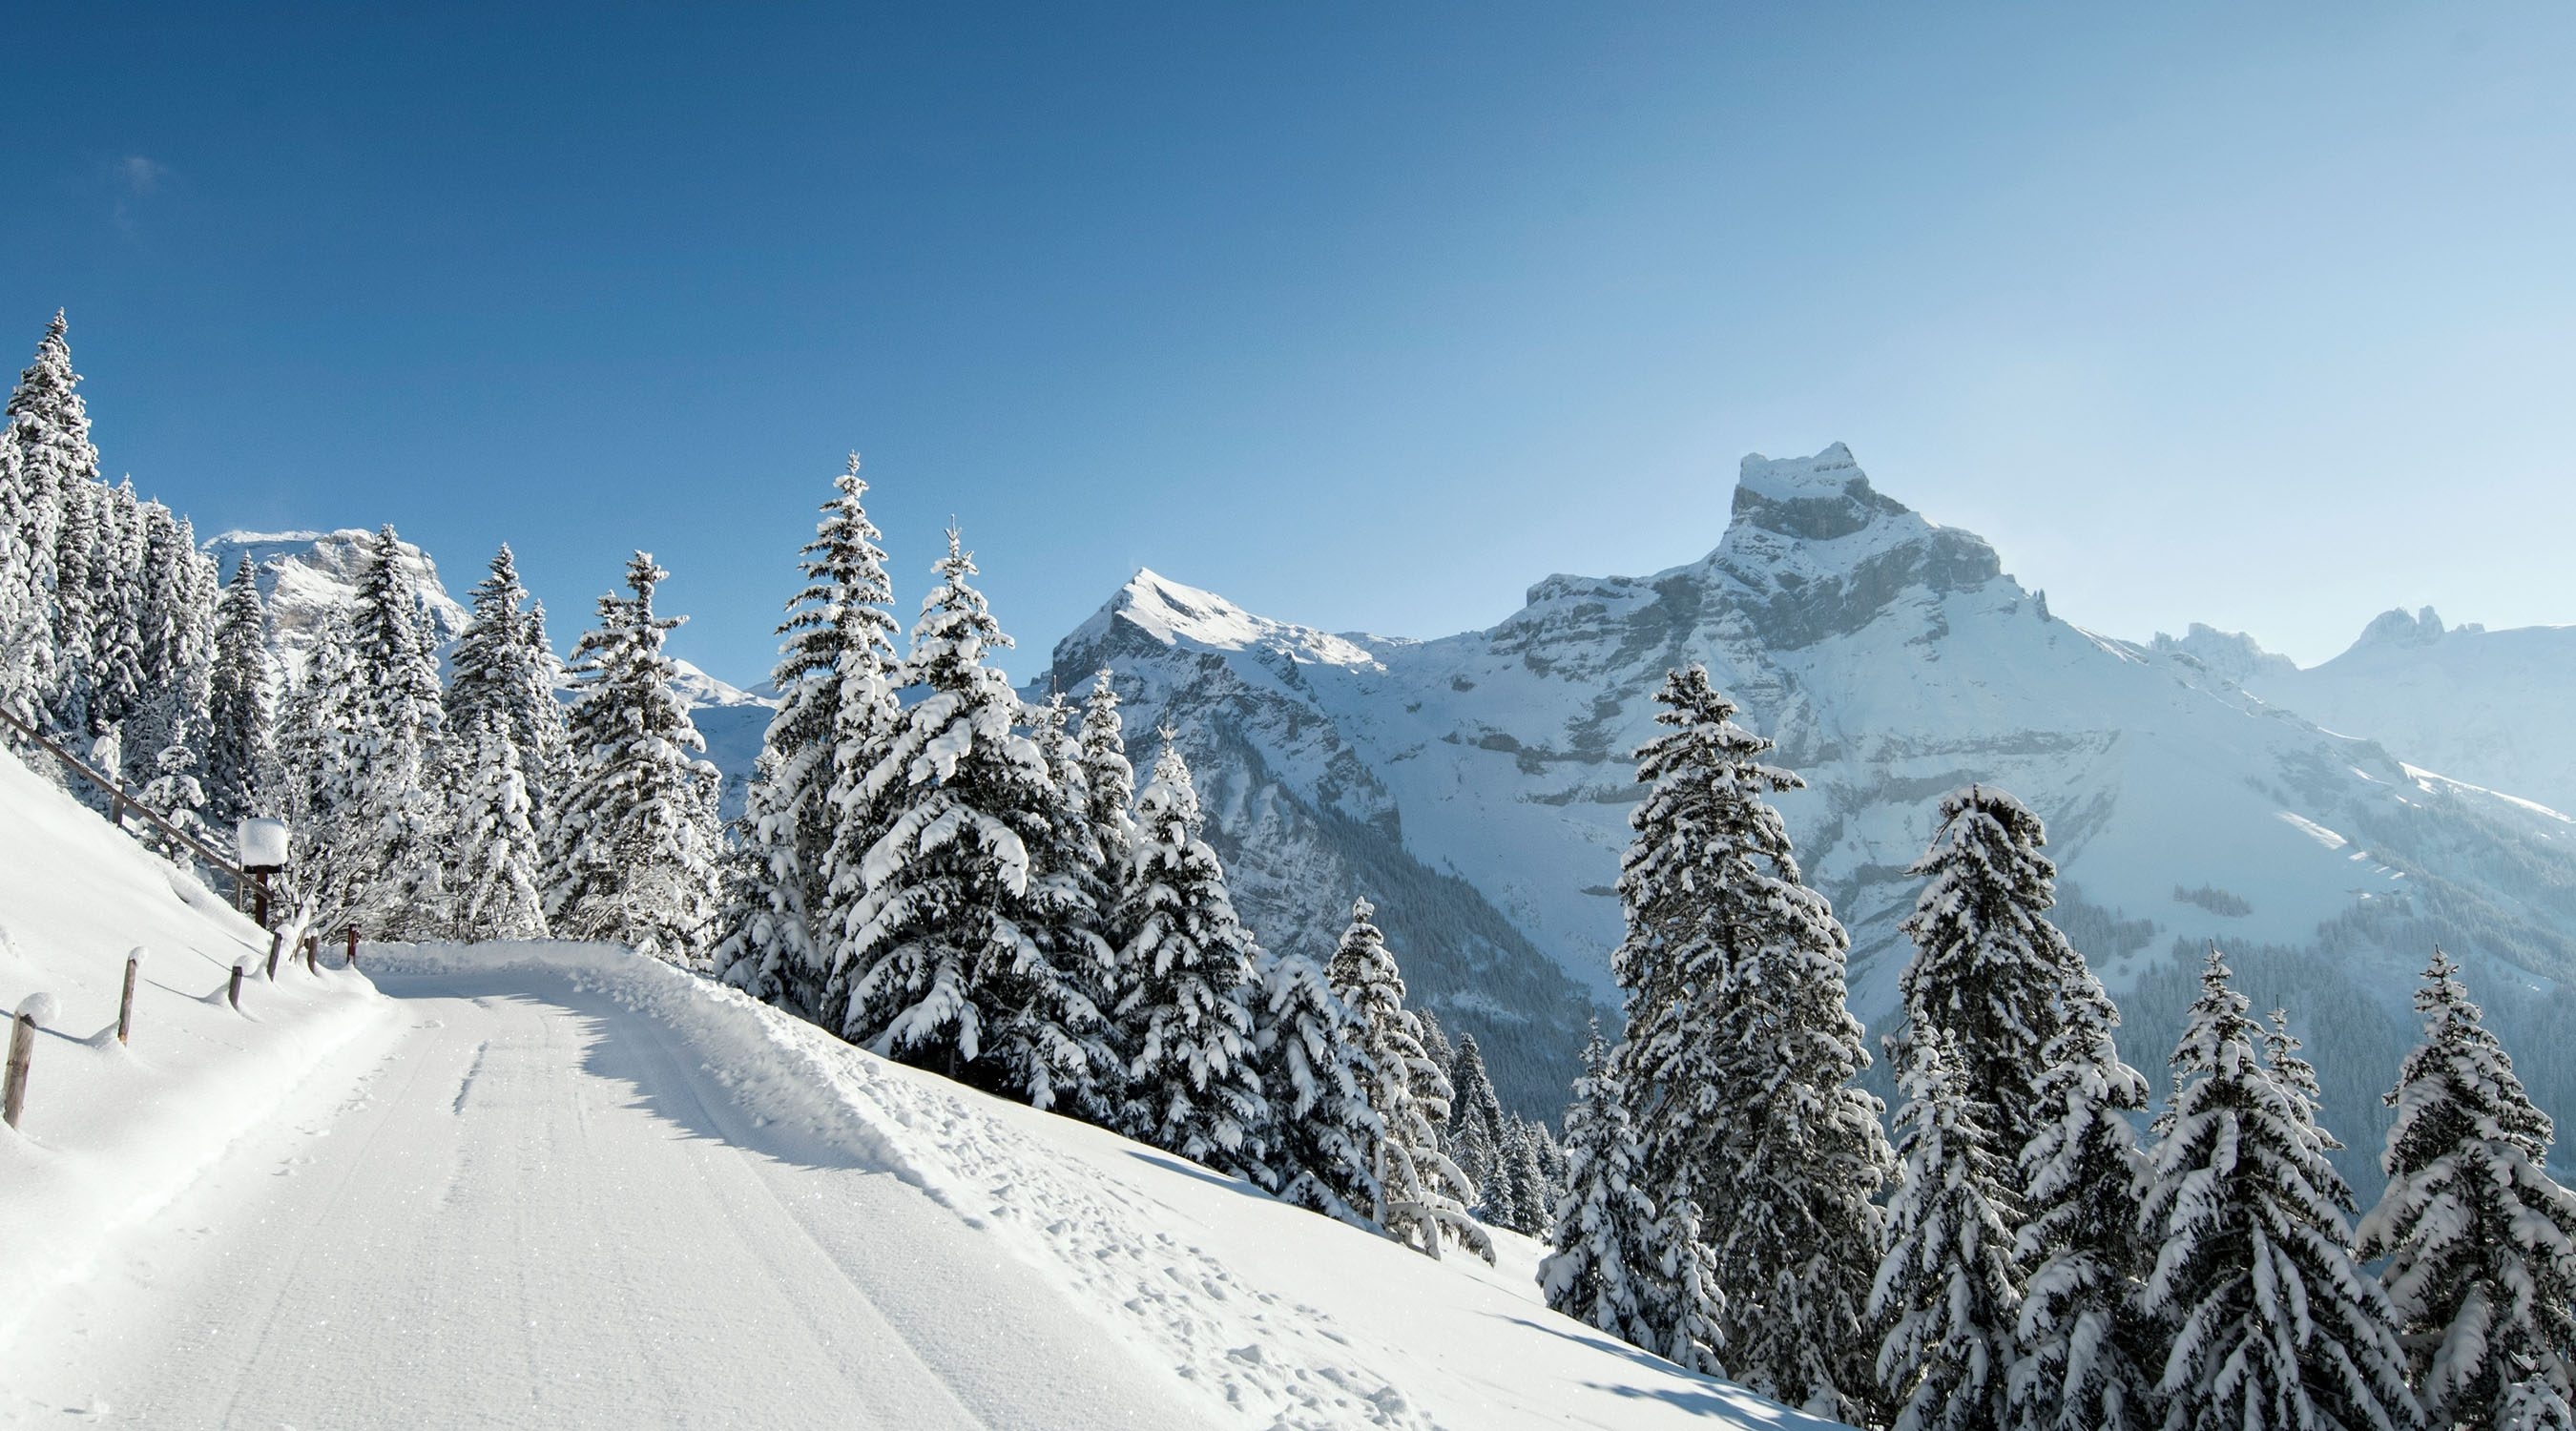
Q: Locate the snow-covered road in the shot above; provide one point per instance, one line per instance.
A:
(520, 1203)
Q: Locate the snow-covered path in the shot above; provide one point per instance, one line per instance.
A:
(523, 1203)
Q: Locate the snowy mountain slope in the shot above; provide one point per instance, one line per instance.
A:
(113, 1134)
(2484, 706)
(738, 1218)
(1893, 659)
(305, 575)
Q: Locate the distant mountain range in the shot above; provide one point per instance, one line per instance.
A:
(2325, 825)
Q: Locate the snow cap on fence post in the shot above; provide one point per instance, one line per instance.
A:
(39, 1009)
(262, 843)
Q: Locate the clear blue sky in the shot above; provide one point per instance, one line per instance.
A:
(1365, 316)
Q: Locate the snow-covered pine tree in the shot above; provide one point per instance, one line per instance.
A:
(2532, 1404)
(1987, 963)
(2265, 1318)
(635, 841)
(76, 553)
(1604, 1225)
(1475, 1125)
(314, 781)
(58, 471)
(239, 724)
(1109, 786)
(1507, 1198)
(1311, 1053)
(1186, 981)
(26, 590)
(836, 714)
(401, 783)
(2079, 1340)
(1739, 1066)
(2479, 1240)
(493, 887)
(116, 676)
(177, 604)
(504, 673)
(1948, 1287)
(943, 959)
(1422, 1197)
(1444, 1057)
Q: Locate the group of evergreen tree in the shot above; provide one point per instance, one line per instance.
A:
(949, 875)
(108, 612)
(2030, 1265)
(469, 809)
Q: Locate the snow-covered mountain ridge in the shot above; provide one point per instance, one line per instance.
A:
(1893, 659)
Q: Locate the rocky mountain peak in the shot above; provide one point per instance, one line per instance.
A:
(2396, 628)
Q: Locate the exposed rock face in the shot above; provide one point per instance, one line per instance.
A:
(1893, 660)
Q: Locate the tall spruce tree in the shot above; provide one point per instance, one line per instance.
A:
(943, 957)
(1422, 1197)
(493, 885)
(635, 844)
(26, 590)
(1476, 1126)
(2478, 1240)
(836, 715)
(1186, 982)
(2266, 1319)
(1311, 1053)
(1739, 1067)
(1605, 1225)
(240, 733)
(316, 775)
(1948, 1288)
(401, 782)
(504, 674)
(1988, 965)
(58, 470)
(2079, 1342)
(1109, 785)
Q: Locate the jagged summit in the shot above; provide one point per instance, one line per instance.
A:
(1152, 612)
(2395, 628)
(1819, 498)
(2232, 656)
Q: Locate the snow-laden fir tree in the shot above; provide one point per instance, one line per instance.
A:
(58, 470)
(1186, 980)
(836, 713)
(1507, 1198)
(1988, 964)
(2532, 1404)
(76, 554)
(177, 628)
(1475, 1124)
(313, 784)
(1948, 1288)
(116, 626)
(401, 783)
(1444, 1057)
(1310, 1050)
(2477, 1242)
(2077, 1364)
(2265, 1318)
(1739, 1067)
(29, 515)
(944, 958)
(497, 863)
(1604, 1225)
(1109, 787)
(1422, 1197)
(504, 673)
(633, 858)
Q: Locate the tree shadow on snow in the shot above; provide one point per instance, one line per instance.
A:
(1697, 1395)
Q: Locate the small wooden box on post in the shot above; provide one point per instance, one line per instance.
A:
(262, 843)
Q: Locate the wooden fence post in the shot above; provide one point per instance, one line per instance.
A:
(22, 1051)
(353, 946)
(125, 1006)
(276, 941)
(241, 966)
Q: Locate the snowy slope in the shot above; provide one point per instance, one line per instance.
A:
(1893, 659)
(565, 1185)
(2488, 707)
(113, 1135)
